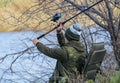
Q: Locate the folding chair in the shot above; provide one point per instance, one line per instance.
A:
(94, 60)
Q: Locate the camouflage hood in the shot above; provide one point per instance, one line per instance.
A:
(77, 45)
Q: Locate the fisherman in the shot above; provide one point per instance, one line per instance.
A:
(69, 56)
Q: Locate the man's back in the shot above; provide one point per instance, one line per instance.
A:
(68, 68)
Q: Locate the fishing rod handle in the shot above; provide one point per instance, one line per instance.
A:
(47, 33)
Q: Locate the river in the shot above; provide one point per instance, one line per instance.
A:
(30, 65)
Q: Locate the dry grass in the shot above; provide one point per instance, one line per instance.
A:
(10, 11)
(15, 8)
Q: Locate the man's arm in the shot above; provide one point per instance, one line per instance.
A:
(61, 39)
(57, 53)
(60, 36)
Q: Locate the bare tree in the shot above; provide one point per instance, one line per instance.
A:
(107, 16)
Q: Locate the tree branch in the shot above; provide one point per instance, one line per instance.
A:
(87, 13)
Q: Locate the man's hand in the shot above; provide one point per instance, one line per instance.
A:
(59, 28)
(35, 41)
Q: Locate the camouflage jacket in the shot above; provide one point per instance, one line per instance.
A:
(67, 56)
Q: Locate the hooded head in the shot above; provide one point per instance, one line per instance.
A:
(73, 32)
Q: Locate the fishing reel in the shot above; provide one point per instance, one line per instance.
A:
(56, 17)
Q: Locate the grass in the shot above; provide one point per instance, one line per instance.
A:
(110, 76)
(12, 9)
(4, 2)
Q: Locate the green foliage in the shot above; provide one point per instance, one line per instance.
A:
(4, 2)
(63, 79)
(103, 79)
(90, 81)
(115, 78)
(110, 77)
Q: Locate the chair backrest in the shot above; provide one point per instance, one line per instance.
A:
(97, 56)
(94, 60)
(97, 46)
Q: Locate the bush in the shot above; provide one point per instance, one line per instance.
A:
(109, 77)
(115, 78)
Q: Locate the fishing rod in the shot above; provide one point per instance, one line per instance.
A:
(57, 16)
